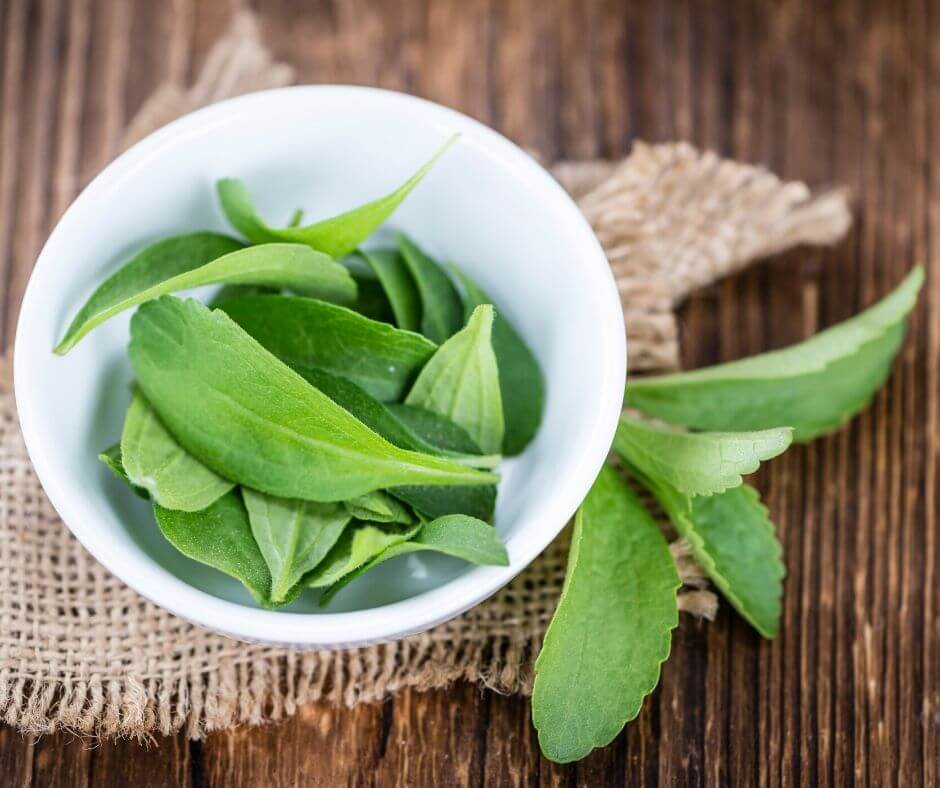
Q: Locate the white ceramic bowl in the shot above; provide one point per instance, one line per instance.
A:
(486, 205)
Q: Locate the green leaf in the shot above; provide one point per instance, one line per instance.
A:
(372, 301)
(461, 382)
(697, 463)
(337, 236)
(111, 457)
(441, 311)
(293, 535)
(814, 386)
(360, 543)
(154, 461)
(194, 534)
(521, 382)
(220, 537)
(612, 630)
(450, 439)
(434, 502)
(152, 265)
(251, 419)
(394, 422)
(379, 507)
(376, 415)
(455, 535)
(273, 265)
(400, 288)
(733, 540)
(304, 332)
(231, 292)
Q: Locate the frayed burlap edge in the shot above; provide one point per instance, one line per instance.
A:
(82, 652)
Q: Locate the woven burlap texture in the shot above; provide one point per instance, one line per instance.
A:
(81, 651)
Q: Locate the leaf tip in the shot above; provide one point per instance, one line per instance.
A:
(448, 144)
(555, 754)
(484, 313)
(327, 596)
(225, 183)
(768, 633)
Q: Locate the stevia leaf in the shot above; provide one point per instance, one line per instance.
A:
(461, 382)
(418, 430)
(439, 431)
(612, 630)
(111, 457)
(336, 236)
(379, 507)
(274, 265)
(441, 311)
(214, 536)
(360, 542)
(521, 382)
(456, 535)
(220, 537)
(293, 535)
(252, 419)
(814, 386)
(849, 385)
(155, 462)
(376, 415)
(733, 540)
(152, 265)
(305, 332)
(399, 286)
(434, 502)
(697, 463)
(372, 301)
(392, 421)
(231, 292)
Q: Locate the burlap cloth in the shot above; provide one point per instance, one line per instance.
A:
(81, 651)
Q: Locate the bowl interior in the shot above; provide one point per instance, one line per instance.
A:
(485, 206)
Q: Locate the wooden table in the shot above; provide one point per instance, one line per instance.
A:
(849, 94)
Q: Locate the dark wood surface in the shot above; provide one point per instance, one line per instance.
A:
(848, 93)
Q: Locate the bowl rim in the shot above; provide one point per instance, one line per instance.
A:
(361, 627)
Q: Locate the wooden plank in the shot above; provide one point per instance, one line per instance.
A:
(322, 745)
(929, 622)
(161, 36)
(16, 758)
(65, 177)
(171, 761)
(512, 751)
(910, 38)
(435, 738)
(14, 19)
(62, 760)
(37, 117)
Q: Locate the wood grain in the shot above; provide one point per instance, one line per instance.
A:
(845, 93)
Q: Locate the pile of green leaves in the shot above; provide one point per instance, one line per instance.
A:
(338, 406)
(612, 629)
(333, 408)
